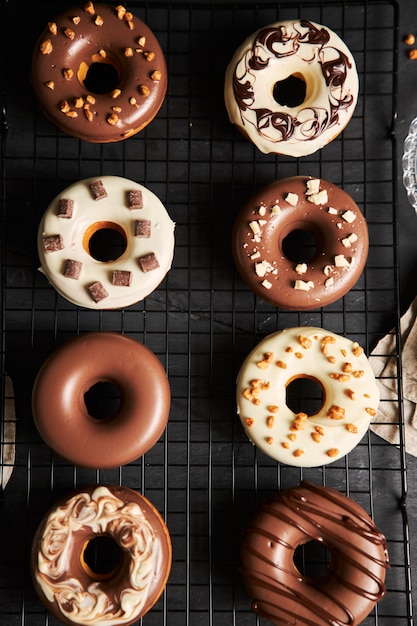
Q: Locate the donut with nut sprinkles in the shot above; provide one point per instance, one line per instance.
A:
(291, 87)
(341, 371)
(99, 73)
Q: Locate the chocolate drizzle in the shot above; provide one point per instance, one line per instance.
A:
(354, 581)
(309, 42)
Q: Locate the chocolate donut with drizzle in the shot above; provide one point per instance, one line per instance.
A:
(66, 581)
(99, 73)
(291, 87)
(354, 580)
(300, 205)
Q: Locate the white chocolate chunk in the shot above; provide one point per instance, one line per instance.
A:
(341, 261)
(262, 209)
(349, 216)
(347, 241)
(301, 268)
(332, 210)
(313, 186)
(292, 198)
(275, 209)
(327, 270)
(254, 226)
(303, 285)
(265, 283)
(329, 282)
(318, 198)
(262, 268)
(255, 255)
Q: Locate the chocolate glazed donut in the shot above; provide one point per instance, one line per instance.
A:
(354, 581)
(61, 414)
(99, 73)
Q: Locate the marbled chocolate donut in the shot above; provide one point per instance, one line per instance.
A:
(61, 413)
(66, 582)
(291, 87)
(117, 206)
(349, 401)
(354, 581)
(332, 219)
(99, 73)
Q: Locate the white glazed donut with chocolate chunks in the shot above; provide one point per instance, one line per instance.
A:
(112, 203)
(350, 396)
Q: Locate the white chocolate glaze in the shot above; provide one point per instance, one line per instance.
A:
(286, 49)
(110, 210)
(350, 396)
(97, 514)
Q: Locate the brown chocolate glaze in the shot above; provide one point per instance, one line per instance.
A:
(337, 241)
(354, 581)
(60, 411)
(94, 35)
(60, 574)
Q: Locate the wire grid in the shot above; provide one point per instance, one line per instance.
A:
(203, 475)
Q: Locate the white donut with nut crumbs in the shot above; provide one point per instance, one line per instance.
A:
(127, 211)
(350, 396)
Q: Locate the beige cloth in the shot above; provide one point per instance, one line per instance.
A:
(384, 361)
(8, 435)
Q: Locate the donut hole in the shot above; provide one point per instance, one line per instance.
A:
(300, 245)
(101, 557)
(312, 559)
(103, 400)
(102, 76)
(304, 394)
(290, 91)
(105, 241)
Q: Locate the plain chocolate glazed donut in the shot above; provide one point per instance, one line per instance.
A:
(131, 581)
(99, 73)
(61, 414)
(354, 581)
(314, 206)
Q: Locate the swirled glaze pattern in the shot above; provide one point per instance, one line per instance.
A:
(305, 50)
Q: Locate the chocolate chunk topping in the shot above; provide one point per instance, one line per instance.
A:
(143, 228)
(134, 199)
(97, 291)
(98, 190)
(148, 262)
(53, 243)
(65, 208)
(122, 278)
(72, 269)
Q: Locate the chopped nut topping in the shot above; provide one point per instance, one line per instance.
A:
(115, 93)
(121, 11)
(50, 84)
(144, 90)
(64, 106)
(89, 8)
(68, 32)
(112, 119)
(266, 361)
(281, 364)
(270, 440)
(409, 40)
(285, 445)
(53, 28)
(412, 54)
(156, 75)
(90, 99)
(298, 452)
(331, 359)
(128, 52)
(128, 16)
(98, 21)
(347, 367)
(102, 53)
(319, 430)
(270, 421)
(350, 394)
(358, 373)
(79, 102)
(336, 412)
(76, 20)
(351, 428)
(133, 101)
(67, 73)
(342, 378)
(305, 342)
(298, 355)
(149, 55)
(357, 350)
(71, 114)
(292, 436)
(316, 437)
(141, 41)
(130, 24)
(332, 452)
(116, 109)
(370, 411)
(89, 115)
(46, 46)
(328, 339)
(272, 408)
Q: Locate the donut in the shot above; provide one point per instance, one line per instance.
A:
(354, 581)
(61, 413)
(116, 208)
(98, 73)
(67, 583)
(342, 373)
(291, 87)
(325, 267)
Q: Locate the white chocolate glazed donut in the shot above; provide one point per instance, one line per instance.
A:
(117, 204)
(62, 576)
(304, 52)
(340, 368)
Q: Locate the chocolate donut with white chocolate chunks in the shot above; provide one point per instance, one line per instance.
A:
(354, 580)
(67, 580)
(99, 73)
(300, 205)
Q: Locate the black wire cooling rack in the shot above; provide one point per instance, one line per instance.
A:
(203, 475)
